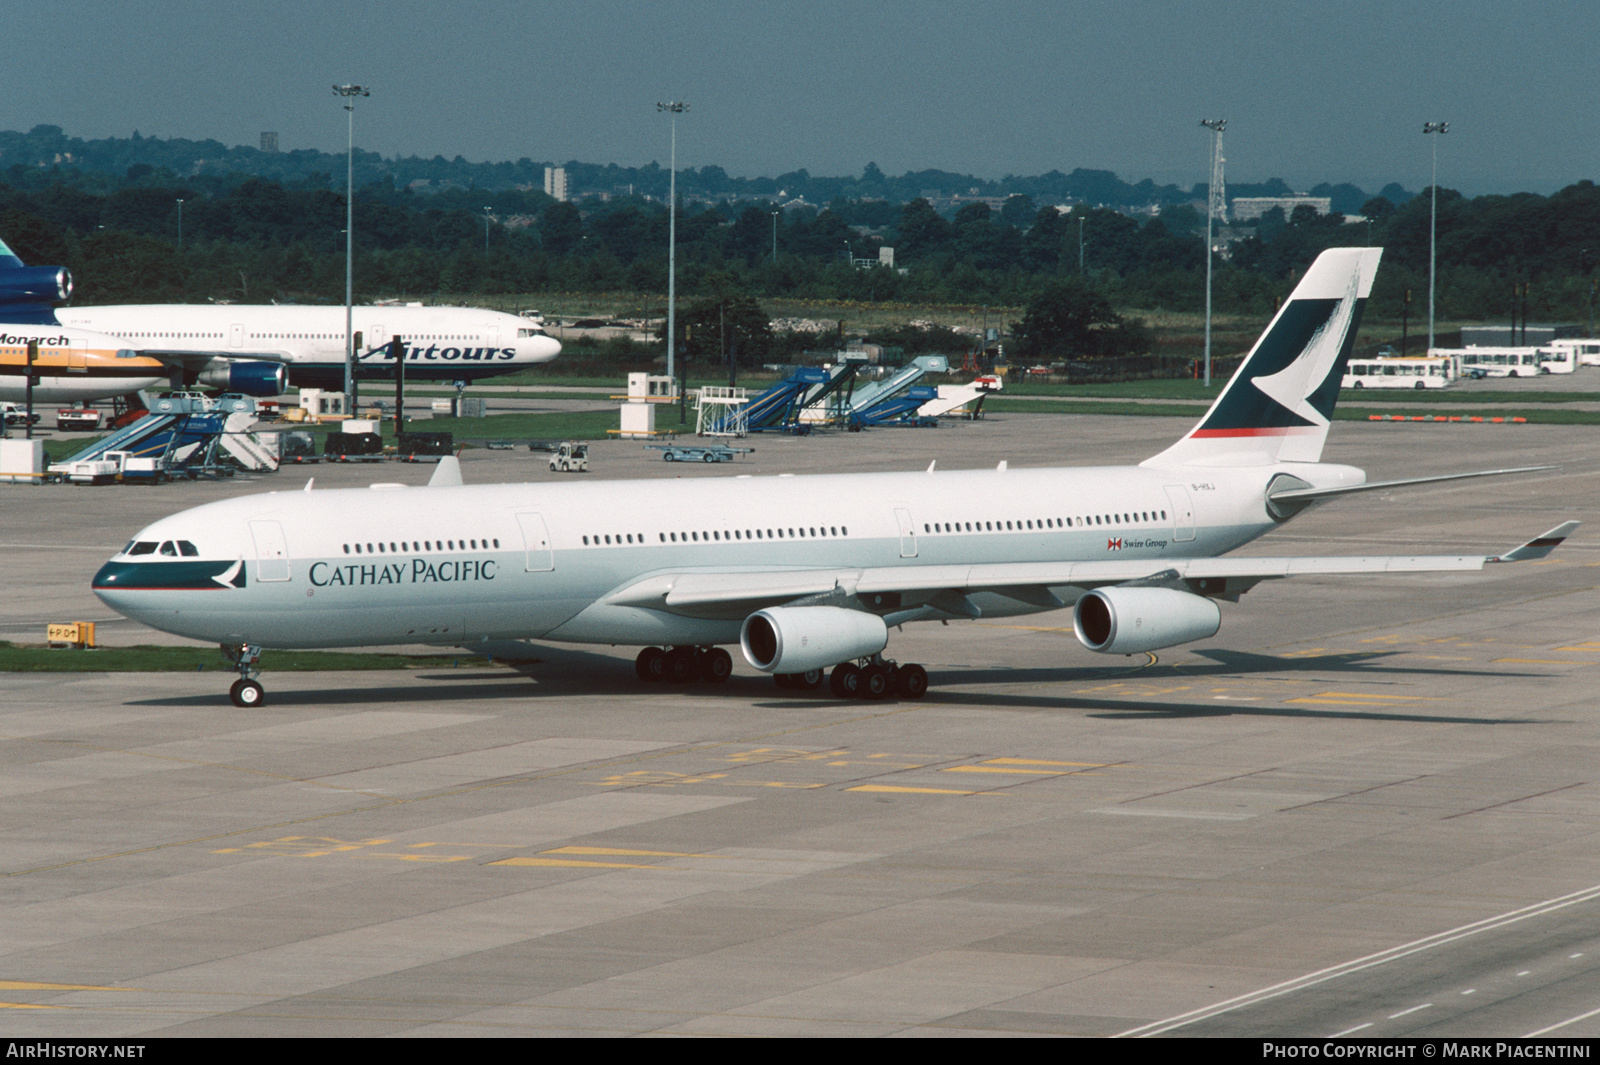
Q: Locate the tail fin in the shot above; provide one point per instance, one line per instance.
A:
(1277, 406)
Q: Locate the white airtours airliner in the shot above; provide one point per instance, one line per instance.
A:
(803, 573)
(247, 349)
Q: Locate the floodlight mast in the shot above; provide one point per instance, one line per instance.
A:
(1216, 205)
(350, 92)
(1440, 128)
(674, 108)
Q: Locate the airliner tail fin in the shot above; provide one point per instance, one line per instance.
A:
(1277, 406)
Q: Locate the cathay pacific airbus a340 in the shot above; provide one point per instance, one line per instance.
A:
(804, 574)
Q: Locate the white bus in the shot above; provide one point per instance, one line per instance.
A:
(1497, 362)
(1417, 371)
(1581, 352)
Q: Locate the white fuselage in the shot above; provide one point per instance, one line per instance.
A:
(442, 343)
(394, 564)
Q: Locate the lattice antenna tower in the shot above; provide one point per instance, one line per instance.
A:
(1219, 188)
(1216, 208)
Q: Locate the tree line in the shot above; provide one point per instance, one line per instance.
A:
(257, 240)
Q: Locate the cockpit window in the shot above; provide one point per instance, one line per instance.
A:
(142, 547)
(188, 550)
(531, 333)
(169, 548)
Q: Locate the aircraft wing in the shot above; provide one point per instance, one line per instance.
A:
(944, 589)
(196, 360)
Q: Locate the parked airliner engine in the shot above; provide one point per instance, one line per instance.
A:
(1125, 621)
(247, 378)
(30, 284)
(798, 639)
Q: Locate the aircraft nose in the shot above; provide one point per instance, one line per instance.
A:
(110, 588)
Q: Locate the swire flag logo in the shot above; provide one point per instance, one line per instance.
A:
(1114, 543)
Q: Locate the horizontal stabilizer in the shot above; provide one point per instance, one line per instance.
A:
(1306, 495)
(1539, 546)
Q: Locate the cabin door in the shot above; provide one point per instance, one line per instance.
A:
(536, 542)
(908, 533)
(1182, 512)
(272, 552)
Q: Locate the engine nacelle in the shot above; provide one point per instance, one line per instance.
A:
(248, 378)
(31, 284)
(1122, 621)
(798, 639)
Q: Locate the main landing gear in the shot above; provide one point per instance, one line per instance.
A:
(867, 678)
(246, 692)
(681, 665)
(878, 678)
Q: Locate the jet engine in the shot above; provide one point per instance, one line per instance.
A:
(1129, 620)
(798, 639)
(248, 378)
(30, 284)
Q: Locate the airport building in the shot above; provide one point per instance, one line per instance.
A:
(1249, 208)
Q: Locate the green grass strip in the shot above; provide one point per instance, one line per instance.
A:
(1540, 415)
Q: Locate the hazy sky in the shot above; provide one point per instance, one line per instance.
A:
(1334, 91)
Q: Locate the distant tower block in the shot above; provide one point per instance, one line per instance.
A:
(269, 142)
(555, 182)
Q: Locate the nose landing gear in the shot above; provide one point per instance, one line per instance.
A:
(246, 692)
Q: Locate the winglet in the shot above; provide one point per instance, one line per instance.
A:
(448, 473)
(1539, 546)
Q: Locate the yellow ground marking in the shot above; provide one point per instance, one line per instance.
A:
(486, 846)
(769, 784)
(619, 852)
(1041, 761)
(774, 754)
(571, 863)
(1541, 661)
(880, 765)
(1362, 699)
(27, 1006)
(1592, 645)
(646, 776)
(418, 857)
(305, 846)
(913, 791)
(1136, 688)
(35, 985)
(545, 858)
(1020, 767)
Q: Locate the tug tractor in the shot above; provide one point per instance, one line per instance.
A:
(570, 457)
